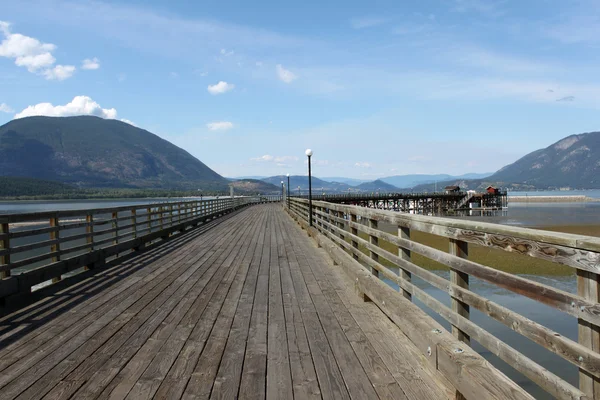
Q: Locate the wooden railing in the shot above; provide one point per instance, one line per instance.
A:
(42, 247)
(356, 230)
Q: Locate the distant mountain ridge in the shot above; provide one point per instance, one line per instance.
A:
(88, 151)
(410, 181)
(571, 162)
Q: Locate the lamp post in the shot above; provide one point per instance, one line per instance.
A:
(309, 154)
(288, 191)
(282, 191)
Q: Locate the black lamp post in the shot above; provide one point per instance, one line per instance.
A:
(282, 191)
(309, 154)
(288, 191)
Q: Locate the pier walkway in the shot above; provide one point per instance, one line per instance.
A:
(244, 306)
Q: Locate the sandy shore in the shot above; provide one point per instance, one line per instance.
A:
(550, 199)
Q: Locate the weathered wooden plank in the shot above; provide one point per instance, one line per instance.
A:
(304, 378)
(254, 374)
(330, 380)
(228, 378)
(378, 374)
(279, 379)
(103, 380)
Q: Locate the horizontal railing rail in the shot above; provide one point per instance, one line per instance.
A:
(358, 231)
(44, 247)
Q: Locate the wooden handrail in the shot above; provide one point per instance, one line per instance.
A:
(355, 230)
(38, 245)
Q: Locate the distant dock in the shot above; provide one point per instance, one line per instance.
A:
(552, 199)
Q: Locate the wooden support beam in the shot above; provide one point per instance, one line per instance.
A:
(404, 233)
(4, 244)
(460, 249)
(54, 248)
(588, 333)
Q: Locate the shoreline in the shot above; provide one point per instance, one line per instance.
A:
(551, 199)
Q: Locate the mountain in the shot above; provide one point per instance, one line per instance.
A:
(409, 181)
(302, 181)
(255, 186)
(347, 181)
(571, 162)
(88, 151)
(237, 178)
(377, 186)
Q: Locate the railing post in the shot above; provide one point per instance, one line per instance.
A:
(404, 254)
(134, 222)
(115, 225)
(374, 240)
(460, 249)
(170, 215)
(355, 233)
(55, 247)
(340, 214)
(5, 245)
(161, 215)
(149, 219)
(589, 334)
(89, 239)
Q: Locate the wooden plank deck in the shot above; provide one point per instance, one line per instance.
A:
(244, 307)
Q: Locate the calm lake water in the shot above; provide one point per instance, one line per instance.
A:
(522, 214)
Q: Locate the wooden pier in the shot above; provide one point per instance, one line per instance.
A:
(233, 299)
(435, 203)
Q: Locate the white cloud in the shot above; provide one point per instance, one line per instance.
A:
(220, 88)
(90, 63)
(362, 165)
(366, 22)
(59, 72)
(80, 105)
(128, 122)
(275, 159)
(285, 75)
(219, 126)
(32, 54)
(266, 157)
(5, 108)
(226, 53)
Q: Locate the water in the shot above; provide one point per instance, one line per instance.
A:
(545, 214)
(594, 193)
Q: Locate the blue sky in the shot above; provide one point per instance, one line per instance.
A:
(375, 88)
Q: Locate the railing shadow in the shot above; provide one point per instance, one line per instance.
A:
(48, 303)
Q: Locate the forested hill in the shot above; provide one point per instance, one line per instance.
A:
(88, 151)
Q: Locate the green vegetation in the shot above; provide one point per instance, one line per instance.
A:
(18, 188)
